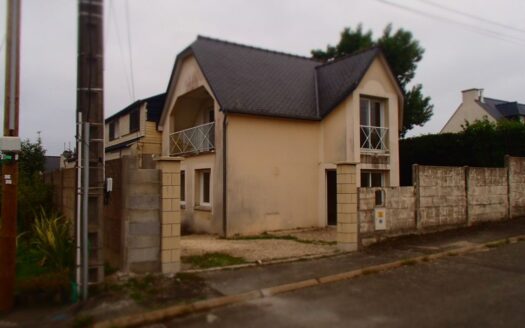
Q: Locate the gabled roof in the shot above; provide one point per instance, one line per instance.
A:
(155, 104)
(251, 80)
(501, 108)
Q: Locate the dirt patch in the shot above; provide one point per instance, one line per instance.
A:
(286, 244)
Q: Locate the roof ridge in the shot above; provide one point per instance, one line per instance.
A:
(343, 57)
(202, 37)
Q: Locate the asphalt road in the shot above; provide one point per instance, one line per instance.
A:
(485, 289)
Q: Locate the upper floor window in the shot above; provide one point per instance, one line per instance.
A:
(134, 120)
(113, 130)
(373, 130)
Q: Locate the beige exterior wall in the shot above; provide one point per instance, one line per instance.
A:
(469, 111)
(188, 80)
(276, 167)
(272, 174)
(377, 83)
(198, 218)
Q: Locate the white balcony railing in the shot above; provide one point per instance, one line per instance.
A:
(374, 138)
(198, 139)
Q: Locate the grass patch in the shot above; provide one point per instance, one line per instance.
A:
(496, 244)
(266, 236)
(210, 260)
(409, 262)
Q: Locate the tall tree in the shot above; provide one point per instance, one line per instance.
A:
(402, 52)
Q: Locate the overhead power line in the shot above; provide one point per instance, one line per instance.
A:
(472, 28)
(112, 14)
(126, 4)
(466, 14)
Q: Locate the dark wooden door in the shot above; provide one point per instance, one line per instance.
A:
(331, 197)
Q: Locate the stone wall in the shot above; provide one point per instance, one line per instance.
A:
(487, 193)
(516, 166)
(64, 190)
(131, 217)
(400, 205)
(441, 195)
(445, 197)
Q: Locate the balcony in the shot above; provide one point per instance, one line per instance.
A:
(192, 141)
(374, 138)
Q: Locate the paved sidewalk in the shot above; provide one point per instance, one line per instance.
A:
(230, 282)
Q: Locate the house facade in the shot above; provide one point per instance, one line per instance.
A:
(476, 107)
(259, 134)
(133, 131)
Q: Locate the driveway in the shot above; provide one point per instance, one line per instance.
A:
(265, 247)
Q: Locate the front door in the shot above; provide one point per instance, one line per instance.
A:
(331, 197)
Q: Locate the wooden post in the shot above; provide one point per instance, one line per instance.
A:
(10, 168)
(90, 101)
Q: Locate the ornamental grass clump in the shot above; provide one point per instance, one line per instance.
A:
(51, 236)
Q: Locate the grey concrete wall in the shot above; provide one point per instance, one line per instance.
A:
(516, 166)
(446, 197)
(141, 216)
(441, 195)
(487, 193)
(400, 205)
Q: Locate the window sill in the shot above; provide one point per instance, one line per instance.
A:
(204, 208)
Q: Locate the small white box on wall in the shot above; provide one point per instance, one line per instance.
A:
(380, 218)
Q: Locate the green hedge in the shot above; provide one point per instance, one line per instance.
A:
(482, 144)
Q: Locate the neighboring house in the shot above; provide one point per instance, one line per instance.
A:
(133, 131)
(477, 107)
(260, 133)
(52, 163)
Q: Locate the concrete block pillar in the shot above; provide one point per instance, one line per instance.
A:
(347, 220)
(170, 213)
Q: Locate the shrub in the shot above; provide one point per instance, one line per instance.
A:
(51, 235)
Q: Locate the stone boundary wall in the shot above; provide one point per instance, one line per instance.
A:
(400, 204)
(445, 197)
(516, 166)
(64, 183)
(487, 192)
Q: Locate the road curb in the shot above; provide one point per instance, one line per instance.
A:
(199, 306)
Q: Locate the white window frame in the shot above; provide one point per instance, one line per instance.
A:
(380, 131)
(201, 182)
(369, 182)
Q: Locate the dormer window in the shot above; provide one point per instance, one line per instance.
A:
(373, 125)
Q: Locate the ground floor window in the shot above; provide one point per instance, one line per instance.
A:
(204, 195)
(372, 179)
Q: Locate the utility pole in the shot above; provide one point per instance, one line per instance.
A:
(90, 110)
(10, 144)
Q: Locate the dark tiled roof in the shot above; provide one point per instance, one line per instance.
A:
(502, 109)
(337, 79)
(154, 105)
(251, 80)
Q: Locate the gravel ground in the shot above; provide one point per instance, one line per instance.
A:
(263, 249)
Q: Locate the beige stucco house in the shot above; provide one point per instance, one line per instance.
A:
(476, 107)
(259, 134)
(133, 131)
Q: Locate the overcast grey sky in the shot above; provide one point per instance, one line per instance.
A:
(461, 52)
